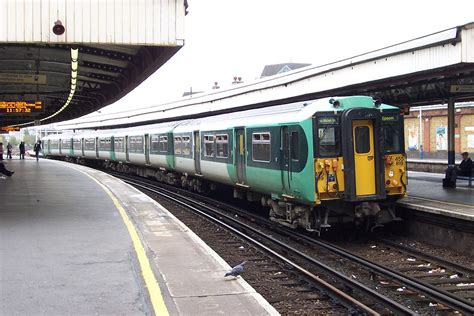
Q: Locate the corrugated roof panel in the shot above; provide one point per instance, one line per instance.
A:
(131, 22)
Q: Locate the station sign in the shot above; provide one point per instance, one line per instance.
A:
(7, 129)
(20, 107)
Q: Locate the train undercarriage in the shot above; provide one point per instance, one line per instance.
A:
(367, 215)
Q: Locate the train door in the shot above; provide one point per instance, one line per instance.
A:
(240, 154)
(364, 162)
(97, 147)
(147, 149)
(127, 156)
(197, 152)
(289, 150)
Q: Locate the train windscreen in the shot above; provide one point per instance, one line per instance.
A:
(328, 136)
(392, 133)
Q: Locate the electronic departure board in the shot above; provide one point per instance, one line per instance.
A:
(20, 107)
(10, 129)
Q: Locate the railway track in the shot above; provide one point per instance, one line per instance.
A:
(439, 299)
(290, 258)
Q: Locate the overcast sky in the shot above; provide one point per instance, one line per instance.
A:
(227, 38)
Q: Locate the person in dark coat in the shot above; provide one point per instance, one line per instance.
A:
(9, 151)
(5, 171)
(464, 169)
(22, 150)
(37, 149)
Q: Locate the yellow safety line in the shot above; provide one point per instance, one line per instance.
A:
(151, 283)
(443, 202)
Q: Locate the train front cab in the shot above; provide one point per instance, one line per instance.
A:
(359, 160)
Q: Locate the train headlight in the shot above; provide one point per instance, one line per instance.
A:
(390, 173)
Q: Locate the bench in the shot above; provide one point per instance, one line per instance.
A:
(467, 178)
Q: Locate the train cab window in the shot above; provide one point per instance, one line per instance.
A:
(261, 147)
(328, 141)
(186, 149)
(362, 139)
(392, 133)
(208, 145)
(89, 144)
(222, 146)
(119, 143)
(178, 142)
(163, 144)
(295, 146)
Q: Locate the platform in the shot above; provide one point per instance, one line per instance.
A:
(426, 193)
(70, 241)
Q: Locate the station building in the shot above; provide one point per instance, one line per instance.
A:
(428, 126)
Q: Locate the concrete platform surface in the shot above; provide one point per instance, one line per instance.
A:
(65, 248)
(426, 193)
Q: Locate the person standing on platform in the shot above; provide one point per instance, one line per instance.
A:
(1, 151)
(9, 150)
(22, 150)
(37, 149)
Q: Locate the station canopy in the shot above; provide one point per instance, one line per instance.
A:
(77, 57)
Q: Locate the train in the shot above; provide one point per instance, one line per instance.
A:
(312, 164)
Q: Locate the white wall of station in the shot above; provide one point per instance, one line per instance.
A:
(127, 22)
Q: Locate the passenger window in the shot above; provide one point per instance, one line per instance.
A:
(118, 144)
(362, 139)
(186, 149)
(177, 145)
(295, 146)
(328, 141)
(163, 144)
(261, 147)
(208, 145)
(222, 145)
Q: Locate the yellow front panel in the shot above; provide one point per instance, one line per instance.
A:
(363, 139)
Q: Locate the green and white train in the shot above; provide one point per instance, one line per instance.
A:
(312, 163)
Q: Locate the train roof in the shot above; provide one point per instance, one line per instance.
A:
(272, 115)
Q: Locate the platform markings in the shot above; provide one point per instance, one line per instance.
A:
(443, 202)
(159, 306)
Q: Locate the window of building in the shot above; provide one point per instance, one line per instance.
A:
(222, 145)
(261, 147)
(208, 145)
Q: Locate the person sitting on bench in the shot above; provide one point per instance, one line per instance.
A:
(464, 169)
